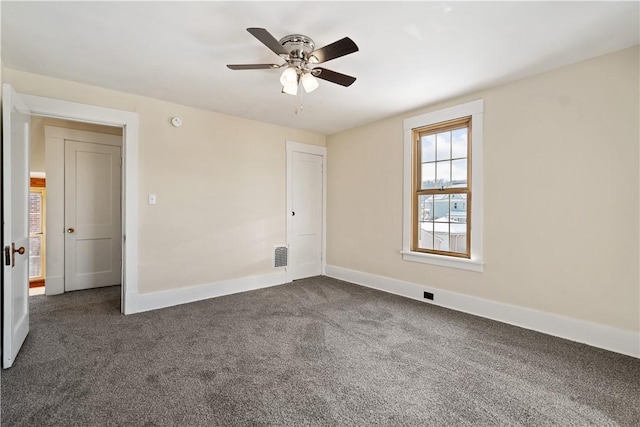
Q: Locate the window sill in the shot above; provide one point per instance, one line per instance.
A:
(443, 261)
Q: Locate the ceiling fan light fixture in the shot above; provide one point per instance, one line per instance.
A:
(309, 82)
(289, 77)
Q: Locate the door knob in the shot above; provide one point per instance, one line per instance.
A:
(70, 230)
(11, 259)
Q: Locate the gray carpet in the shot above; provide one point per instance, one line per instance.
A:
(315, 352)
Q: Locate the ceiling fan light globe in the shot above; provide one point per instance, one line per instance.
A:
(309, 82)
(291, 88)
(289, 77)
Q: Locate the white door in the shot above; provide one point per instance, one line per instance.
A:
(93, 247)
(306, 215)
(15, 231)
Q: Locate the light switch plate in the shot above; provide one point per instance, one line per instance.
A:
(152, 199)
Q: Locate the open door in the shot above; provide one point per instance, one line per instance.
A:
(15, 230)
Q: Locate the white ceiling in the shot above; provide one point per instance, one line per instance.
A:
(411, 53)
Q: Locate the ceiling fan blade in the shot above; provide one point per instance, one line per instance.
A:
(334, 50)
(333, 77)
(252, 66)
(268, 40)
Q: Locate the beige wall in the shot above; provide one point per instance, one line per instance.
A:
(561, 195)
(37, 157)
(220, 182)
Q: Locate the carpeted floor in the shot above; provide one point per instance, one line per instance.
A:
(315, 352)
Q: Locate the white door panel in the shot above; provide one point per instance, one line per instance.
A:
(15, 193)
(306, 198)
(92, 215)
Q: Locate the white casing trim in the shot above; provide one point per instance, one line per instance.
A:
(128, 120)
(171, 297)
(590, 333)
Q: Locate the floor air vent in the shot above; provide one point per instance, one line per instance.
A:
(280, 256)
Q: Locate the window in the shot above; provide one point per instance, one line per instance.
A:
(442, 187)
(36, 233)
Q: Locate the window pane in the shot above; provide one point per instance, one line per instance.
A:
(428, 175)
(443, 174)
(459, 173)
(425, 221)
(425, 208)
(459, 143)
(425, 235)
(35, 264)
(458, 208)
(443, 145)
(428, 148)
(441, 208)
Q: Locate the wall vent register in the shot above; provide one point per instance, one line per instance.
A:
(280, 256)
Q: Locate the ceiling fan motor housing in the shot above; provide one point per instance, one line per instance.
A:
(299, 47)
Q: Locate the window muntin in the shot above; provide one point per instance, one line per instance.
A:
(441, 189)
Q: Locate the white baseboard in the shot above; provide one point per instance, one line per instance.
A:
(590, 333)
(171, 297)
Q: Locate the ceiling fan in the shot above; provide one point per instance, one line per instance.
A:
(300, 56)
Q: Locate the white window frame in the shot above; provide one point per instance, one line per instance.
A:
(475, 109)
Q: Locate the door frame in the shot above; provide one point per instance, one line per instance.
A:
(317, 150)
(128, 121)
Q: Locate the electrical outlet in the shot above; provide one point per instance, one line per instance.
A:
(428, 295)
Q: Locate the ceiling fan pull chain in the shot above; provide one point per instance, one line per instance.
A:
(300, 101)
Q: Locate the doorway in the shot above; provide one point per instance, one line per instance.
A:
(127, 121)
(84, 250)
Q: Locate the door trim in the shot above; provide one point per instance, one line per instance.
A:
(299, 147)
(128, 120)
